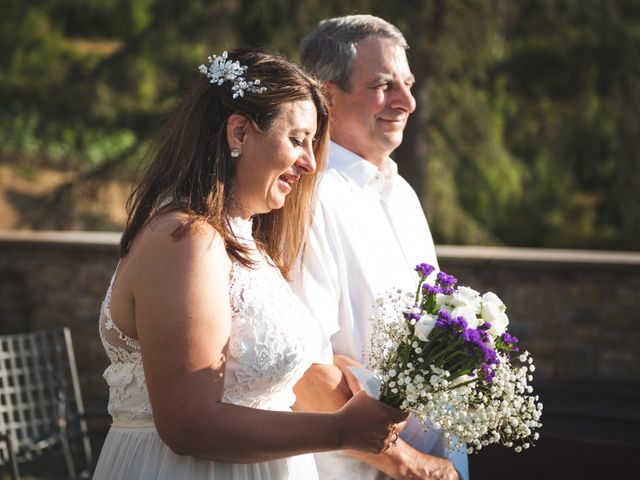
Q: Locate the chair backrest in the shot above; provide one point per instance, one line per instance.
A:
(39, 389)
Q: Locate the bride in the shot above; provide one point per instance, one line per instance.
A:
(205, 338)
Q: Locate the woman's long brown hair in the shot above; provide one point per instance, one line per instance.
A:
(192, 169)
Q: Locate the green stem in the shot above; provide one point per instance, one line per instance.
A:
(422, 279)
(448, 347)
(463, 384)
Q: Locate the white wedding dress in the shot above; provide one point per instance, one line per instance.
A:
(273, 341)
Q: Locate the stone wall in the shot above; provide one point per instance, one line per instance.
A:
(576, 311)
(59, 279)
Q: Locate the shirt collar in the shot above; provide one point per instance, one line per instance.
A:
(360, 170)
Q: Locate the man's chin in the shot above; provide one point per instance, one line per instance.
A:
(391, 141)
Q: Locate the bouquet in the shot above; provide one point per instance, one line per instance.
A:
(444, 353)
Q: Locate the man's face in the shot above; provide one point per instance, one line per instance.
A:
(370, 118)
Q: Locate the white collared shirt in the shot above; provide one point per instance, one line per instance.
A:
(368, 233)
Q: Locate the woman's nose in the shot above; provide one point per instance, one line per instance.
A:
(307, 161)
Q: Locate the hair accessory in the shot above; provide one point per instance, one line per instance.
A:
(222, 69)
(235, 152)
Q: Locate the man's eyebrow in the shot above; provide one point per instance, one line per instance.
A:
(385, 78)
(382, 78)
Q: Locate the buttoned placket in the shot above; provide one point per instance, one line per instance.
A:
(386, 179)
(377, 183)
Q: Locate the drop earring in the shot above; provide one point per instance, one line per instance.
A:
(235, 152)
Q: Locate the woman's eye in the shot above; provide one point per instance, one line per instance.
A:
(297, 142)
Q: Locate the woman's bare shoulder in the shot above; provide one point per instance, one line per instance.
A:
(200, 244)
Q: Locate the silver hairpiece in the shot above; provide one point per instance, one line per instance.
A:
(222, 69)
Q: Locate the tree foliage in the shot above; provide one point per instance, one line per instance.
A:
(526, 133)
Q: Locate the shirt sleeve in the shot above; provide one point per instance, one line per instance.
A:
(315, 279)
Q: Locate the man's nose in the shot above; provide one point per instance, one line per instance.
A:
(404, 99)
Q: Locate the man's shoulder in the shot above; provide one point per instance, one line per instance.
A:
(401, 183)
(400, 180)
(334, 185)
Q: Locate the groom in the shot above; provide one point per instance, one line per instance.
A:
(369, 229)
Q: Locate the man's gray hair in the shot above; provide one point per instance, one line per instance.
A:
(329, 51)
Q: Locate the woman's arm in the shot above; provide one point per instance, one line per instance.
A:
(183, 321)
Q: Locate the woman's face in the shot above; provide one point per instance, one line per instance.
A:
(271, 163)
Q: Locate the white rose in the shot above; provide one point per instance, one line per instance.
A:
(499, 326)
(424, 326)
(493, 299)
(441, 299)
(466, 297)
(468, 313)
(493, 311)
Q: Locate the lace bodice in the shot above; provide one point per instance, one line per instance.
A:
(273, 341)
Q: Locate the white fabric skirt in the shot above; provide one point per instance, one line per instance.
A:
(138, 453)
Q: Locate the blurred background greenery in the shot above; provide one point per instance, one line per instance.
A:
(527, 131)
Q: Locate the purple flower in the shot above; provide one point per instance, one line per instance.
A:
(425, 269)
(509, 339)
(412, 315)
(489, 373)
(471, 335)
(431, 289)
(459, 322)
(489, 355)
(446, 280)
(444, 319)
(448, 290)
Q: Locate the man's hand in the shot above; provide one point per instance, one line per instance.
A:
(403, 462)
(324, 388)
(343, 363)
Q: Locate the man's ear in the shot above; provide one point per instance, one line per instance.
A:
(331, 92)
(237, 126)
(330, 89)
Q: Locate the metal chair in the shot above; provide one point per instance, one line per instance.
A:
(40, 401)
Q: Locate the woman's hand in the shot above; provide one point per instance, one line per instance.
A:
(369, 425)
